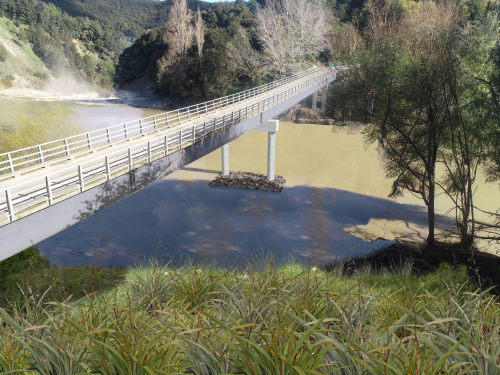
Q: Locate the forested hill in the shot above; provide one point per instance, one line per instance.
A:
(131, 17)
(81, 38)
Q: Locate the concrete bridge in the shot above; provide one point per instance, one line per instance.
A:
(49, 187)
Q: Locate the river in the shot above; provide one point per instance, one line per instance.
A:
(334, 203)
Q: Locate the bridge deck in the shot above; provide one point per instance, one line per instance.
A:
(42, 185)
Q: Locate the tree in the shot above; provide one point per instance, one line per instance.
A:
(179, 35)
(200, 36)
(406, 67)
(244, 59)
(477, 134)
(291, 30)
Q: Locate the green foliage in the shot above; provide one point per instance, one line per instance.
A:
(3, 53)
(65, 43)
(30, 274)
(54, 122)
(130, 17)
(291, 319)
(150, 53)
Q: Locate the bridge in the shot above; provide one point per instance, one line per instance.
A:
(49, 187)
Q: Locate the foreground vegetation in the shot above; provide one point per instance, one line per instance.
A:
(267, 318)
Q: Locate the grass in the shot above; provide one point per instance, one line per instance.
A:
(30, 275)
(267, 317)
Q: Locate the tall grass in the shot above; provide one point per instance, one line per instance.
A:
(276, 319)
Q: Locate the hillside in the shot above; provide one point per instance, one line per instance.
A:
(22, 67)
(131, 17)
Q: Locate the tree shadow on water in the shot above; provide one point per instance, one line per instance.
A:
(192, 217)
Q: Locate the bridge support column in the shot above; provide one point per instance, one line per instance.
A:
(271, 127)
(319, 100)
(225, 159)
(271, 153)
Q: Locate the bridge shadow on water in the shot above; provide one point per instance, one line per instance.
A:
(173, 218)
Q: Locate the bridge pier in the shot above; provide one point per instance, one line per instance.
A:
(271, 127)
(225, 159)
(319, 100)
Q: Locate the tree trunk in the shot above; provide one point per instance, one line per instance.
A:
(430, 211)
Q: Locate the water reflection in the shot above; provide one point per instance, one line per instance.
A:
(221, 224)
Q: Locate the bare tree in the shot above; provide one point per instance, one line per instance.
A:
(290, 30)
(180, 35)
(243, 58)
(200, 35)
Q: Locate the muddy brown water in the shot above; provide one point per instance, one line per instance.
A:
(334, 203)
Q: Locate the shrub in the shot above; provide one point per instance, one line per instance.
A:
(3, 53)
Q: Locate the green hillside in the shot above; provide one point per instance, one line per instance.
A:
(131, 17)
(21, 66)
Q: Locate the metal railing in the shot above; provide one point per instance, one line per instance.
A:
(41, 192)
(48, 152)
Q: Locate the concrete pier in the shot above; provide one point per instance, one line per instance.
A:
(271, 127)
(319, 100)
(225, 159)
(271, 155)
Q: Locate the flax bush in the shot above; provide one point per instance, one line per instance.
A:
(276, 320)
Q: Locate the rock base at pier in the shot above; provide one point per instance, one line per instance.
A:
(246, 180)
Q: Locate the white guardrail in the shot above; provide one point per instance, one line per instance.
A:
(43, 191)
(30, 157)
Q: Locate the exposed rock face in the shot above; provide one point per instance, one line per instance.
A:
(245, 180)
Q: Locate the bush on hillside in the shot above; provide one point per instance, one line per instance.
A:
(3, 53)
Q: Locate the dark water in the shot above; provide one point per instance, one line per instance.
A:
(333, 183)
(176, 217)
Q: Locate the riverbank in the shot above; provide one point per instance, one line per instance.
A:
(30, 273)
(261, 317)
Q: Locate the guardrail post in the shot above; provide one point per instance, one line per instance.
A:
(140, 126)
(49, 190)
(180, 139)
(215, 124)
(11, 165)
(80, 178)
(188, 113)
(204, 129)
(197, 110)
(166, 145)
(130, 161)
(178, 118)
(108, 169)
(89, 141)
(10, 207)
(166, 118)
(223, 121)
(154, 122)
(149, 151)
(66, 146)
(107, 135)
(40, 152)
(194, 133)
(239, 116)
(232, 117)
(125, 129)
